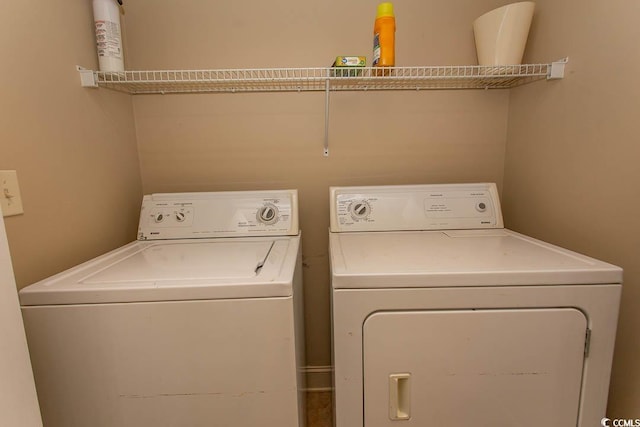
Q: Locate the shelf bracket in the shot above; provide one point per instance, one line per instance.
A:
(325, 153)
(556, 71)
(87, 77)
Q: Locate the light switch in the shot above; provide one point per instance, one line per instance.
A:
(10, 199)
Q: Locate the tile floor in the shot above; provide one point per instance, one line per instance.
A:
(319, 409)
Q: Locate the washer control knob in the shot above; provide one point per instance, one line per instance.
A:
(360, 210)
(180, 216)
(481, 206)
(268, 214)
(159, 217)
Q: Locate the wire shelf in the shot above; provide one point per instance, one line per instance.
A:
(321, 79)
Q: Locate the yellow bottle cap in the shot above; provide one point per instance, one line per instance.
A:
(384, 9)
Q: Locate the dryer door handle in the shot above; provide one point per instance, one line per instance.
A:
(400, 396)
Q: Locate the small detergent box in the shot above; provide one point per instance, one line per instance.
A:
(347, 66)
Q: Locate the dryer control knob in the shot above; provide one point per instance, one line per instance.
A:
(180, 216)
(158, 217)
(481, 206)
(360, 210)
(268, 214)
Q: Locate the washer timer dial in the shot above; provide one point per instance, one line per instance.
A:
(268, 214)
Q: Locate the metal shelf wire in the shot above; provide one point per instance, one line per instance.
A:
(315, 79)
(322, 79)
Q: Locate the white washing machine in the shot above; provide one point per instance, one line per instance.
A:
(197, 323)
(442, 317)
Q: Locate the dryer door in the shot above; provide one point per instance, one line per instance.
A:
(486, 368)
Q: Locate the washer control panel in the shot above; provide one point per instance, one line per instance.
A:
(415, 207)
(218, 214)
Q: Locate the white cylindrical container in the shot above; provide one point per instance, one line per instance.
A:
(106, 16)
(501, 34)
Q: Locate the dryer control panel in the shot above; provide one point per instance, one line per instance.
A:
(219, 214)
(415, 207)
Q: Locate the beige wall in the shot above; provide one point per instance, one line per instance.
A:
(256, 141)
(74, 148)
(571, 171)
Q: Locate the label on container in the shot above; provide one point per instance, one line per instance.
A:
(108, 39)
(350, 61)
(376, 49)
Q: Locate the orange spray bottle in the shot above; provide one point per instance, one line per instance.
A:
(384, 36)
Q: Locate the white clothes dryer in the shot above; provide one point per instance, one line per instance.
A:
(197, 323)
(442, 317)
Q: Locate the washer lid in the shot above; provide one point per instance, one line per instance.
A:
(167, 262)
(175, 270)
(495, 257)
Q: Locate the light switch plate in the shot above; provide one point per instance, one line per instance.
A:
(10, 198)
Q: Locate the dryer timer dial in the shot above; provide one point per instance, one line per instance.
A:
(360, 209)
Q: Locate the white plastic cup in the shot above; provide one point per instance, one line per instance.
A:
(501, 34)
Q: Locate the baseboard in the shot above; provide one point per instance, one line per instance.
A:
(319, 378)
